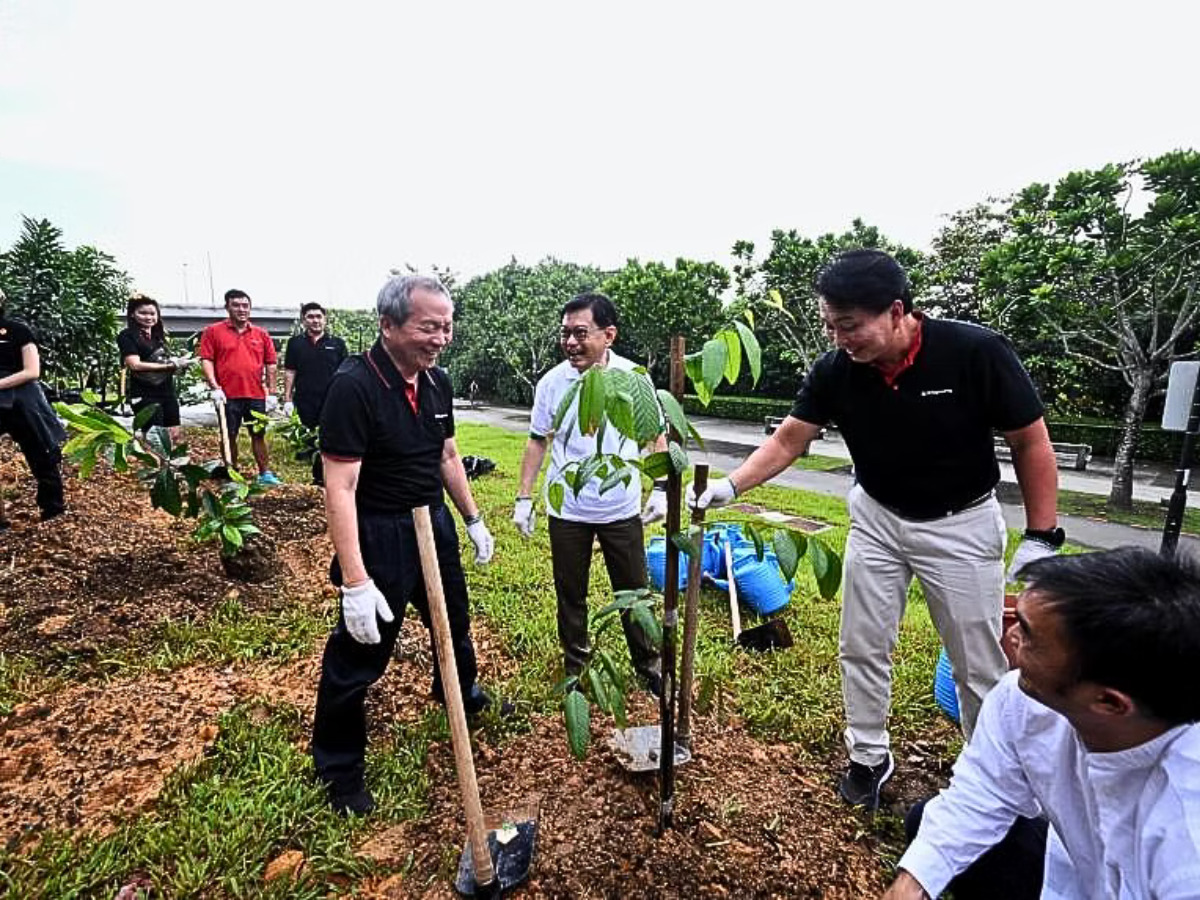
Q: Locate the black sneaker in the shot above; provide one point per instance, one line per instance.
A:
(477, 701)
(351, 803)
(861, 784)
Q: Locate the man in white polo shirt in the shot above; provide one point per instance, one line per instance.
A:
(589, 327)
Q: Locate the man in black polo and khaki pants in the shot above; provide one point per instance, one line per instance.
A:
(917, 401)
(387, 435)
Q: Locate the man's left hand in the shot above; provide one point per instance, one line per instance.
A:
(1028, 550)
(482, 539)
(656, 507)
(272, 402)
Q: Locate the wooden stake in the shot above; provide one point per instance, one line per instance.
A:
(691, 620)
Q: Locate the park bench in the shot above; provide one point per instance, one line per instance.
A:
(1075, 456)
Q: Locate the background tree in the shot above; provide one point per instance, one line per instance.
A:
(656, 302)
(506, 326)
(780, 287)
(1115, 290)
(72, 299)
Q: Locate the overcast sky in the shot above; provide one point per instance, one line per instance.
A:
(309, 147)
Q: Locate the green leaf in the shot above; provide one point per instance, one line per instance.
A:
(693, 365)
(688, 542)
(579, 726)
(120, 463)
(599, 690)
(586, 470)
(749, 314)
(647, 621)
(787, 553)
(657, 465)
(674, 413)
(555, 495)
(713, 356)
(679, 457)
(618, 708)
(564, 407)
(231, 537)
(144, 415)
(757, 538)
(614, 674)
(647, 416)
(733, 358)
(620, 414)
(592, 398)
(827, 567)
(615, 477)
(164, 494)
(753, 350)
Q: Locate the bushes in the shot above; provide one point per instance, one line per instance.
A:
(746, 409)
(1154, 444)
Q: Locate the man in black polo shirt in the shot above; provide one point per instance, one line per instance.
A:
(309, 362)
(387, 435)
(916, 400)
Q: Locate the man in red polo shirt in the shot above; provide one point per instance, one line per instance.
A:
(235, 357)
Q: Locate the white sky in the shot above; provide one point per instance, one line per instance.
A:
(309, 147)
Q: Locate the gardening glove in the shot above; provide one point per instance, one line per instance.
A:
(1028, 550)
(720, 492)
(288, 406)
(360, 605)
(182, 362)
(523, 516)
(272, 402)
(656, 506)
(217, 395)
(478, 532)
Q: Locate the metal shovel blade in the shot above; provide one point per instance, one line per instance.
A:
(512, 846)
(771, 635)
(638, 748)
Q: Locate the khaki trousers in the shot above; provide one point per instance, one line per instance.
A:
(959, 561)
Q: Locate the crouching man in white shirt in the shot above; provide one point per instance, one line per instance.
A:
(1096, 733)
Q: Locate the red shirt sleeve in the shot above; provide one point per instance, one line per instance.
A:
(207, 350)
(269, 356)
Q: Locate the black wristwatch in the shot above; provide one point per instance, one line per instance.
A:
(1051, 537)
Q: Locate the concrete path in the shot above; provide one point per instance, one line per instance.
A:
(730, 441)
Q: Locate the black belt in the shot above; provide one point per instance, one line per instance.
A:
(978, 501)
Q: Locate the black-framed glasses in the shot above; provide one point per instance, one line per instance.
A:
(579, 332)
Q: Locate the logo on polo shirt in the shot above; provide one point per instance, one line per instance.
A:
(937, 392)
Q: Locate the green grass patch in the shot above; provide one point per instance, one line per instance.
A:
(1145, 513)
(814, 462)
(21, 679)
(219, 822)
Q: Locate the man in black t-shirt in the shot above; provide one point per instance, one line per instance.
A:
(309, 362)
(917, 401)
(27, 417)
(387, 436)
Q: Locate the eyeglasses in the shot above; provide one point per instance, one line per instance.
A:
(579, 332)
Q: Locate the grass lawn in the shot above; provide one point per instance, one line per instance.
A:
(1145, 514)
(814, 462)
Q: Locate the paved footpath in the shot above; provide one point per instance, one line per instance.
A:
(730, 441)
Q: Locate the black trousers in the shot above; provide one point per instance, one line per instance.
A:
(1011, 870)
(44, 462)
(571, 558)
(308, 409)
(348, 668)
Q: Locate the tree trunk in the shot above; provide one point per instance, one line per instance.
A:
(1120, 495)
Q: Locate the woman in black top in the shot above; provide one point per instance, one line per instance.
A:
(151, 368)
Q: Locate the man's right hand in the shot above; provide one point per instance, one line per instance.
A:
(217, 395)
(523, 516)
(720, 492)
(288, 406)
(905, 887)
(360, 605)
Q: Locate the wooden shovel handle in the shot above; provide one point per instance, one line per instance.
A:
(459, 736)
(735, 614)
(691, 618)
(223, 430)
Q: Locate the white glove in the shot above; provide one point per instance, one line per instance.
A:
(360, 605)
(655, 508)
(482, 539)
(217, 395)
(523, 516)
(720, 492)
(1028, 550)
(182, 362)
(288, 406)
(272, 402)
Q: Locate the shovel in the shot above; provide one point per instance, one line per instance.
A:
(771, 635)
(494, 859)
(222, 471)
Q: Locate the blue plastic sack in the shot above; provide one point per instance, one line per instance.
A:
(943, 686)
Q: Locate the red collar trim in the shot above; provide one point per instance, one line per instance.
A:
(891, 373)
